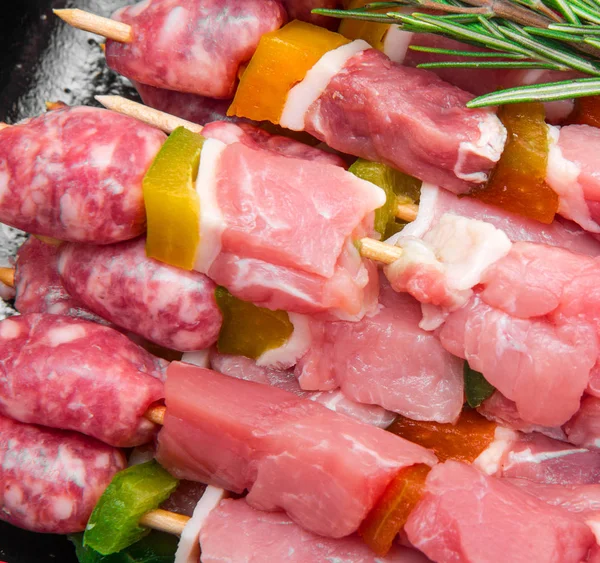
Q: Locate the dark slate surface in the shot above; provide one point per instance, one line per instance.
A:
(42, 59)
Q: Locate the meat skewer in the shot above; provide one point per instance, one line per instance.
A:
(203, 431)
(469, 143)
(333, 280)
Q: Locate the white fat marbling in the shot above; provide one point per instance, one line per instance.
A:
(212, 223)
(489, 145)
(188, 550)
(308, 91)
(287, 355)
(489, 459)
(396, 43)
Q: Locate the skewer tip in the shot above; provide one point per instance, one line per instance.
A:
(7, 276)
(111, 29)
(3, 125)
(156, 414)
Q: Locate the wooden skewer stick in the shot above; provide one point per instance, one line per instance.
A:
(159, 119)
(3, 125)
(407, 211)
(111, 29)
(379, 251)
(7, 276)
(156, 414)
(51, 106)
(165, 521)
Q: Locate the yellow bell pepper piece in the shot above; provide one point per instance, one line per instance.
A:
(249, 330)
(172, 204)
(372, 32)
(282, 59)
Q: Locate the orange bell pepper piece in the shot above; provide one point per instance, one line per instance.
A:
(391, 512)
(518, 183)
(281, 60)
(463, 441)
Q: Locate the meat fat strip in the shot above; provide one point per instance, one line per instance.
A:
(435, 202)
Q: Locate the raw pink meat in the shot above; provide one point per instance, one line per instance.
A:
(52, 479)
(504, 411)
(38, 285)
(434, 202)
(195, 46)
(76, 174)
(257, 138)
(346, 294)
(538, 458)
(77, 375)
(409, 119)
(531, 327)
(572, 173)
(535, 281)
(301, 215)
(386, 359)
(578, 499)
(466, 516)
(300, 10)
(234, 531)
(325, 470)
(169, 306)
(279, 231)
(192, 107)
(584, 428)
(541, 366)
(245, 368)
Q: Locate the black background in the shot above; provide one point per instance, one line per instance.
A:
(42, 59)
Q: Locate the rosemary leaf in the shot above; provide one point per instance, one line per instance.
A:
(576, 29)
(552, 91)
(463, 32)
(490, 64)
(564, 7)
(593, 42)
(476, 54)
(553, 34)
(555, 53)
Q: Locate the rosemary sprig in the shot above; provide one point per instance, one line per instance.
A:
(515, 34)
